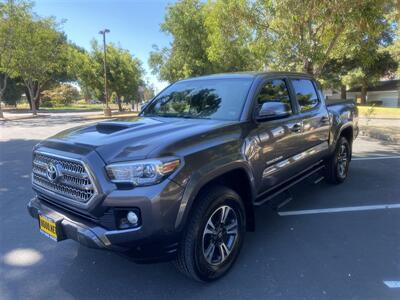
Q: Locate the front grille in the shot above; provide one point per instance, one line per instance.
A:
(63, 176)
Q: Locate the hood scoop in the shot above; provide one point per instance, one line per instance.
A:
(111, 127)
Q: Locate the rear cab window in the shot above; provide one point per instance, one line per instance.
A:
(305, 93)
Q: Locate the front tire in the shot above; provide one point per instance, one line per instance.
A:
(214, 235)
(337, 167)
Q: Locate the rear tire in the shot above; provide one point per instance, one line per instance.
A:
(337, 166)
(214, 235)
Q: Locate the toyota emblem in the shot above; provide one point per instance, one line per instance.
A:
(52, 172)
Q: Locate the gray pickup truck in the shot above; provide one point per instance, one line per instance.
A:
(181, 180)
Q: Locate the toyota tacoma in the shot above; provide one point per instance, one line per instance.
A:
(180, 181)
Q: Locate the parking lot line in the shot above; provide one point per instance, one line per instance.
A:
(337, 209)
(392, 284)
(376, 157)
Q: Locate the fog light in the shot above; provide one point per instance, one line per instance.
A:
(132, 218)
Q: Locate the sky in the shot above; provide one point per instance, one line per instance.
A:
(133, 24)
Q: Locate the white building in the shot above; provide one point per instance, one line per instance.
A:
(383, 93)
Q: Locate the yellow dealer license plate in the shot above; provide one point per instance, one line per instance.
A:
(48, 227)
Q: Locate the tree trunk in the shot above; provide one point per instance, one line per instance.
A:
(30, 86)
(37, 100)
(119, 103)
(28, 97)
(343, 93)
(2, 90)
(33, 102)
(36, 93)
(364, 87)
(308, 67)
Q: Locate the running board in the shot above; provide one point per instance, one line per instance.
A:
(288, 184)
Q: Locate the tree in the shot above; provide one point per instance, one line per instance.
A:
(394, 48)
(63, 94)
(311, 33)
(187, 55)
(39, 54)
(322, 37)
(124, 72)
(371, 54)
(87, 71)
(11, 12)
(148, 92)
(232, 43)
(13, 92)
(379, 64)
(334, 74)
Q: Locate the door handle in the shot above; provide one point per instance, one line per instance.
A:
(325, 119)
(297, 127)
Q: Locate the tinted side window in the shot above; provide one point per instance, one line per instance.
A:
(305, 94)
(275, 91)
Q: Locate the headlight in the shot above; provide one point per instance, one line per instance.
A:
(144, 172)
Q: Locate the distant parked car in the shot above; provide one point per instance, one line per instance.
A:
(94, 101)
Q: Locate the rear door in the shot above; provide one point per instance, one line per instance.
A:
(313, 144)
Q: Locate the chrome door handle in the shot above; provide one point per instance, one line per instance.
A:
(324, 119)
(297, 127)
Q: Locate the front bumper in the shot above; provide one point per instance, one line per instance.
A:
(133, 242)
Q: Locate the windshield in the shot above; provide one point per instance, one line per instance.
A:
(217, 99)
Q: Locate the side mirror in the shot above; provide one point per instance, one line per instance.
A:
(273, 110)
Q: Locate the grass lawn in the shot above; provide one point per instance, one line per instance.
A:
(74, 106)
(379, 112)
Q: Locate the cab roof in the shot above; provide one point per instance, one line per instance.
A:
(239, 75)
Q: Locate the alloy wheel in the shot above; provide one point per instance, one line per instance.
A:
(220, 235)
(342, 160)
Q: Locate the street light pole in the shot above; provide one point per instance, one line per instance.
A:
(107, 110)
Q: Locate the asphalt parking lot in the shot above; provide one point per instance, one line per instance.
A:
(328, 242)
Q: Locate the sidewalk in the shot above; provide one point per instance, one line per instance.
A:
(91, 115)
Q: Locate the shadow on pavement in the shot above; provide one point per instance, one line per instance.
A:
(320, 257)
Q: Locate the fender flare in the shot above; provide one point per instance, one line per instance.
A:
(198, 180)
(338, 133)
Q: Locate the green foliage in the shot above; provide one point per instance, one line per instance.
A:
(12, 13)
(148, 92)
(63, 94)
(231, 39)
(124, 72)
(87, 70)
(187, 56)
(13, 91)
(394, 48)
(329, 39)
(37, 49)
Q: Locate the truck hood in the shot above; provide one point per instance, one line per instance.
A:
(132, 139)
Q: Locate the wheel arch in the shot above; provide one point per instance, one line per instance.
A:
(237, 177)
(347, 132)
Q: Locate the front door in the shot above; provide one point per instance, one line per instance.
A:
(279, 138)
